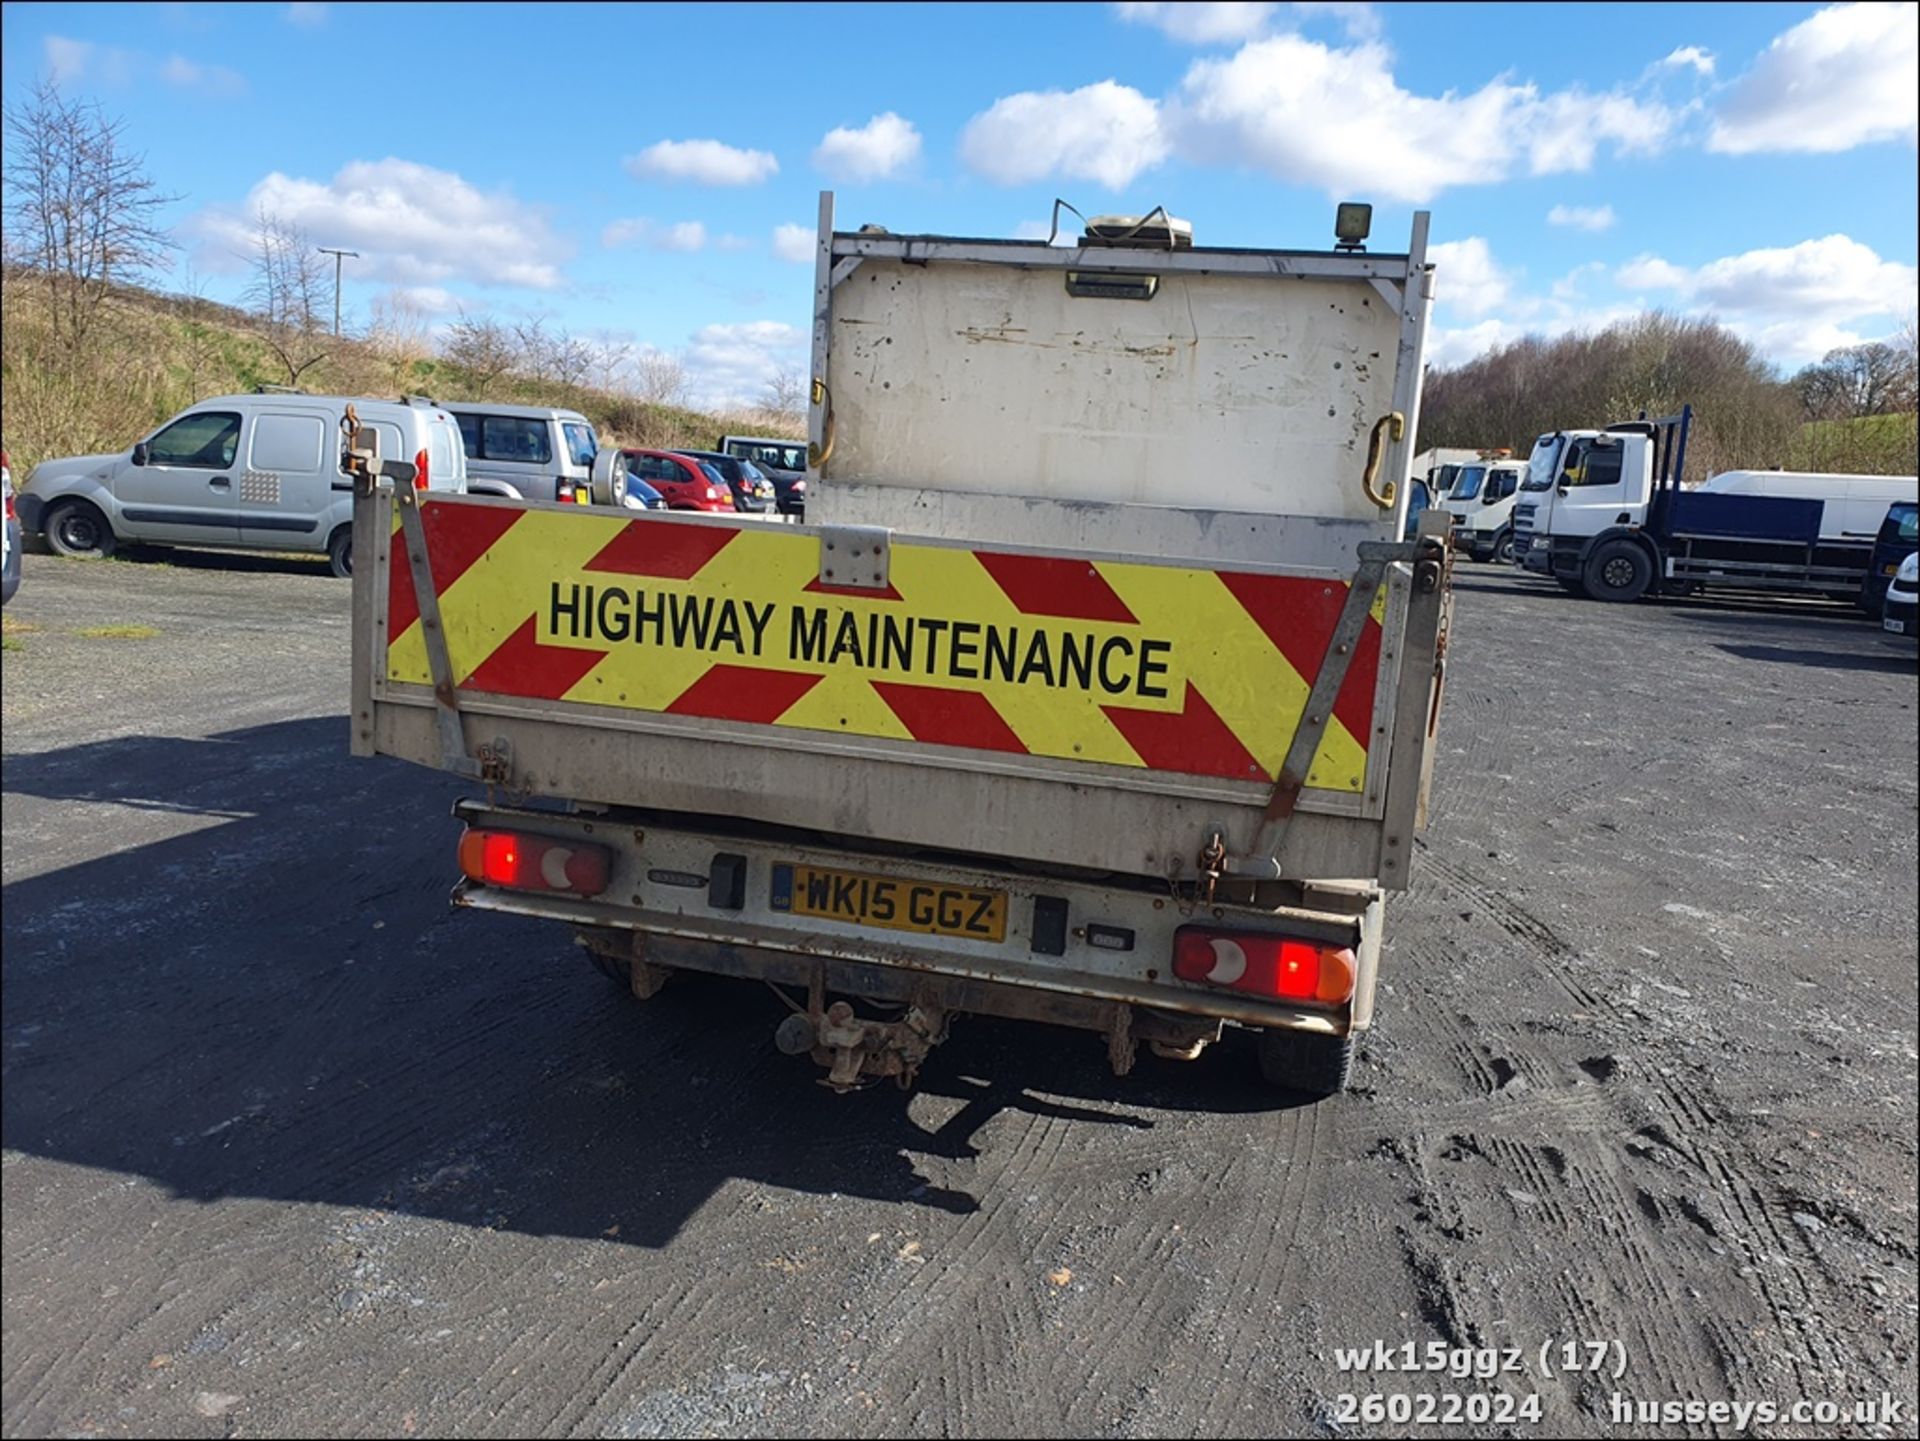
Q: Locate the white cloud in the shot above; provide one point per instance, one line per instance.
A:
(883, 147)
(1466, 279)
(1582, 217)
(704, 162)
(1107, 133)
(728, 366)
(1848, 75)
(1701, 61)
(1314, 114)
(1650, 272)
(684, 236)
(1793, 301)
(66, 59)
(426, 299)
(1448, 346)
(72, 60)
(307, 15)
(202, 79)
(412, 224)
(1362, 21)
(794, 242)
(1199, 22)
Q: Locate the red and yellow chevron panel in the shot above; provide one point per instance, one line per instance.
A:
(1163, 667)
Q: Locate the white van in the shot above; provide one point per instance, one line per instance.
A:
(1855, 504)
(1481, 502)
(258, 472)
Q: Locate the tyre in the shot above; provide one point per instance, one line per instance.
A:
(340, 552)
(77, 529)
(1305, 1062)
(1618, 570)
(1503, 548)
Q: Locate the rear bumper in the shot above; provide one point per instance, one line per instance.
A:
(709, 901)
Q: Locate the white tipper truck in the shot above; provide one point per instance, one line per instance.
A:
(1099, 687)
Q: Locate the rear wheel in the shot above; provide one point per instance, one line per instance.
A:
(340, 552)
(1306, 1062)
(77, 529)
(1618, 570)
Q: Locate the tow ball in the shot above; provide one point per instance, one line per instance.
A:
(852, 1048)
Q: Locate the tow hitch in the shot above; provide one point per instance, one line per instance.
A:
(851, 1047)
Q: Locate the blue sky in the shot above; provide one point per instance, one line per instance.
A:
(648, 175)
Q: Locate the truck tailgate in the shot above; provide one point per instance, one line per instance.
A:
(1112, 712)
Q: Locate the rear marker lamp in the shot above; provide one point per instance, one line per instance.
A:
(534, 863)
(1265, 965)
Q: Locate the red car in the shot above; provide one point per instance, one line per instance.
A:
(685, 483)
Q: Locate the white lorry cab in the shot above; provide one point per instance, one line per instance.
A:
(1481, 502)
(259, 472)
(1606, 514)
(1011, 724)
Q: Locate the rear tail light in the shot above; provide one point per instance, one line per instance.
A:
(1264, 965)
(563, 490)
(714, 493)
(422, 476)
(534, 863)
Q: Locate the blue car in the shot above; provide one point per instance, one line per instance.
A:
(641, 496)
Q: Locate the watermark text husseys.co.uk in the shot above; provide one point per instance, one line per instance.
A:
(1881, 1410)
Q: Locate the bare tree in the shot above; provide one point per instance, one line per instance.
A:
(399, 335)
(533, 348)
(287, 295)
(569, 360)
(660, 377)
(202, 346)
(610, 360)
(482, 347)
(80, 210)
(1872, 379)
(785, 394)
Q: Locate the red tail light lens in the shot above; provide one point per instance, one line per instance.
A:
(422, 473)
(534, 863)
(1264, 965)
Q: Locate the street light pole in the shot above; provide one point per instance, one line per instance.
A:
(338, 256)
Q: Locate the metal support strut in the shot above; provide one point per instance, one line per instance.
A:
(1265, 857)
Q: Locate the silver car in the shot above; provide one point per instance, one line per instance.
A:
(527, 452)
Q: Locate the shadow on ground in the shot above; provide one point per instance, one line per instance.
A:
(280, 1003)
(1892, 661)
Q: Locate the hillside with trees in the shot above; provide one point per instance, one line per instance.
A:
(1852, 411)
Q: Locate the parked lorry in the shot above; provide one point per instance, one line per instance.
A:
(1440, 467)
(1481, 503)
(1605, 513)
(1011, 725)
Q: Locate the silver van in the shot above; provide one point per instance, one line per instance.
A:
(259, 472)
(527, 452)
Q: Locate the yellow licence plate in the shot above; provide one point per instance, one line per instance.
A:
(926, 907)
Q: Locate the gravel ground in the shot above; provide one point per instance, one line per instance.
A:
(292, 1149)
